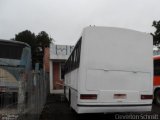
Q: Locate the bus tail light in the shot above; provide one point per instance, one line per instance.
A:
(88, 96)
(146, 97)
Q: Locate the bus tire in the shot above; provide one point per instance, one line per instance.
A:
(157, 97)
(72, 110)
(69, 97)
(65, 93)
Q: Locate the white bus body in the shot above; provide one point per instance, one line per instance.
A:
(111, 71)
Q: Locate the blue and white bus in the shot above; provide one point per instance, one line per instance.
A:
(15, 66)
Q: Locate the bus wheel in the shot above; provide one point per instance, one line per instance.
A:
(72, 110)
(157, 97)
(69, 97)
(65, 93)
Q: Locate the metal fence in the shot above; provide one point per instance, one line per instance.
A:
(22, 93)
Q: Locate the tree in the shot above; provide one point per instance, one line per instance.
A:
(37, 43)
(27, 37)
(43, 40)
(156, 34)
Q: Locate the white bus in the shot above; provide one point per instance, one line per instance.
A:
(110, 70)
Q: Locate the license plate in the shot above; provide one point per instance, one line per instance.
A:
(120, 96)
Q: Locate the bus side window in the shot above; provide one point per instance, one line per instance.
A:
(74, 59)
(157, 67)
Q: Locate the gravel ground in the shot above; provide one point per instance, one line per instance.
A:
(55, 109)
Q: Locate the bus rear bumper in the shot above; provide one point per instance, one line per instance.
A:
(112, 109)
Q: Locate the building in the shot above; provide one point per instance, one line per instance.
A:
(54, 60)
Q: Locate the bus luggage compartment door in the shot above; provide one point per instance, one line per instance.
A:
(118, 86)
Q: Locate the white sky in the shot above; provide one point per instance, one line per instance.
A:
(64, 20)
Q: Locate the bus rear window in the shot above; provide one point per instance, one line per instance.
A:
(157, 67)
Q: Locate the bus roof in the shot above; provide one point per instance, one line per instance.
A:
(113, 28)
(13, 42)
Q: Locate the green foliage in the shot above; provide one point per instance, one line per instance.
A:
(26, 36)
(156, 34)
(43, 40)
(37, 43)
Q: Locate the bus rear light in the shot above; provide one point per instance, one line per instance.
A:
(88, 96)
(146, 97)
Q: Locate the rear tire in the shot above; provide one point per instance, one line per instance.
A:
(72, 110)
(65, 93)
(69, 97)
(157, 97)
(65, 90)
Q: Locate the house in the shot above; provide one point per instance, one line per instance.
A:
(54, 60)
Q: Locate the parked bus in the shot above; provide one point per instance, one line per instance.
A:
(110, 70)
(157, 79)
(15, 53)
(15, 64)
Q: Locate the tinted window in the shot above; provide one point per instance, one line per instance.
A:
(156, 67)
(74, 59)
(10, 51)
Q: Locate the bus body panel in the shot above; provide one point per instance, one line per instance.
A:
(156, 80)
(118, 49)
(107, 109)
(113, 61)
(119, 80)
(109, 83)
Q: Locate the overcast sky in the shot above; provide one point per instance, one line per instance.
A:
(64, 20)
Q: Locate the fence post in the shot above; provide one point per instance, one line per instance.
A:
(21, 95)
